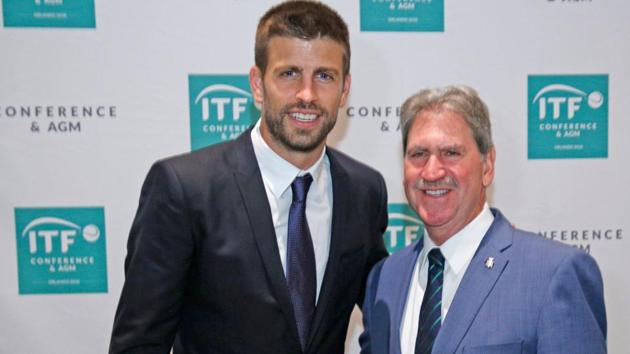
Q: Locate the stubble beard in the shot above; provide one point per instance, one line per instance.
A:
(300, 140)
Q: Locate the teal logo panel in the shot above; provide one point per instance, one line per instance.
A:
(402, 15)
(404, 227)
(49, 13)
(61, 250)
(567, 116)
(221, 108)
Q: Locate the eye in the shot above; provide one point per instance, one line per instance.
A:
(416, 154)
(452, 153)
(325, 76)
(288, 73)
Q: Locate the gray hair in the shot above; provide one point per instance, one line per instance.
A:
(460, 99)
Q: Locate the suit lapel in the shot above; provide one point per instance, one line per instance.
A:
(252, 192)
(401, 270)
(476, 285)
(338, 232)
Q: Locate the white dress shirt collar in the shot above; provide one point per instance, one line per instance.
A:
(280, 172)
(459, 249)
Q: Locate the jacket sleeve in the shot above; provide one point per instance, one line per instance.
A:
(159, 251)
(377, 244)
(573, 317)
(368, 342)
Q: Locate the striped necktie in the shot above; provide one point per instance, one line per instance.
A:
(431, 310)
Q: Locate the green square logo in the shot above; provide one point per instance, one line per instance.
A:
(49, 13)
(567, 116)
(221, 108)
(404, 227)
(402, 15)
(61, 250)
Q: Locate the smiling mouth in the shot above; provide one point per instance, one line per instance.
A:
(304, 117)
(436, 192)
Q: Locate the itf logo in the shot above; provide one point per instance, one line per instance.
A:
(221, 108)
(402, 15)
(61, 250)
(567, 116)
(404, 227)
(49, 13)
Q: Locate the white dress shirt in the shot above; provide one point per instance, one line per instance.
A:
(278, 174)
(458, 251)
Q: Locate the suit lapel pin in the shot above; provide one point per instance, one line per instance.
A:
(490, 262)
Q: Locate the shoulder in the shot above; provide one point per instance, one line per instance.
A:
(218, 153)
(540, 247)
(193, 175)
(531, 246)
(211, 161)
(548, 257)
(561, 259)
(357, 170)
(392, 265)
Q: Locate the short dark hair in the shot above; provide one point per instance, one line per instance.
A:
(300, 19)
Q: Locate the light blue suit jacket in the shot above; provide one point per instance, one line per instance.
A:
(539, 297)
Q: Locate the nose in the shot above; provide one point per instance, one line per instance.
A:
(433, 169)
(306, 92)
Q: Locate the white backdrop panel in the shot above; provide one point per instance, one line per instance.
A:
(138, 59)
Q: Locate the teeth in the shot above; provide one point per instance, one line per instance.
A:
(304, 117)
(436, 193)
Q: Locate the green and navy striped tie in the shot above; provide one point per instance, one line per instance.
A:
(431, 310)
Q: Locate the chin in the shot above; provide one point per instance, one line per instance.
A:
(434, 220)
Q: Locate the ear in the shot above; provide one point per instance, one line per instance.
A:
(345, 90)
(488, 167)
(256, 84)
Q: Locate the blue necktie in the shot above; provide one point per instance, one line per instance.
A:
(431, 310)
(301, 275)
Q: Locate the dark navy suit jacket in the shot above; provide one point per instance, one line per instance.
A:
(203, 272)
(540, 296)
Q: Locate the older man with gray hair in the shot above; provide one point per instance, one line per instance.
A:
(504, 290)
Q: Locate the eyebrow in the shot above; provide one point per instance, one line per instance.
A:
(301, 69)
(439, 148)
(327, 69)
(288, 67)
(453, 147)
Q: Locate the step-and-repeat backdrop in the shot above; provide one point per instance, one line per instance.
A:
(92, 92)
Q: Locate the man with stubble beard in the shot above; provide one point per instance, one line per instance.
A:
(261, 244)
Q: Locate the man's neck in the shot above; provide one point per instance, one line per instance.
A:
(442, 233)
(300, 159)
